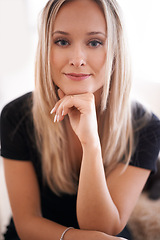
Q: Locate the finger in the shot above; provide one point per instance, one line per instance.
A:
(54, 109)
(58, 118)
(60, 93)
(64, 107)
(59, 107)
(73, 102)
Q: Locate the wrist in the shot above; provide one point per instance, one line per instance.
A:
(80, 234)
(91, 143)
(65, 231)
(92, 148)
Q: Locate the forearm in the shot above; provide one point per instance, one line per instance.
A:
(39, 228)
(95, 207)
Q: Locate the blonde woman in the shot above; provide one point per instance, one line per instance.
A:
(76, 155)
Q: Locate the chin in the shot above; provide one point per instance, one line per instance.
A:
(77, 91)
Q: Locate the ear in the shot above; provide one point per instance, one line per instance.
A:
(60, 93)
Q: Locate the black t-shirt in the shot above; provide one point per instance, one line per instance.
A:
(18, 143)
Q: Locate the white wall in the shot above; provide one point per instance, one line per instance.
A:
(18, 40)
(142, 20)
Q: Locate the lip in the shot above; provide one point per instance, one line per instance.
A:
(77, 76)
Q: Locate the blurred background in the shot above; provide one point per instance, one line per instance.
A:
(18, 40)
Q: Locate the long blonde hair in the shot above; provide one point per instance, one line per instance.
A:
(115, 128)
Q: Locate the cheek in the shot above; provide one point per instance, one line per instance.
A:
(54, 64)
(99, 61)
(100, 68)
(56, 61)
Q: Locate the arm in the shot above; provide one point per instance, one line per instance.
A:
(102, 204)
(25, 203)
(24, 197)
(106, 204)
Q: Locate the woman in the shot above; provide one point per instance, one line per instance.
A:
(74, 166)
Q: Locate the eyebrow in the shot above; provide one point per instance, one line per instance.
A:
(60, 32)
(89, 33)
(96, 33)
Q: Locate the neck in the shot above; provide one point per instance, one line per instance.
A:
(97, 96)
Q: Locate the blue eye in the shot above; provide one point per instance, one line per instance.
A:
(95, 43)
(62, 42)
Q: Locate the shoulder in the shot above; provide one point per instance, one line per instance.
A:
(16, 116)
(16, 113)
(146, 130)
(15, 127)
(17, 106)
(144, 121)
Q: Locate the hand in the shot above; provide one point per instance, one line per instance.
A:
(82, 115)
(89, 235)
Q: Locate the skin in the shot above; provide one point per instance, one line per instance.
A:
(79, 47)
(104, 204)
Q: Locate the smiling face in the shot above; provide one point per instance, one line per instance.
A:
(78, 53)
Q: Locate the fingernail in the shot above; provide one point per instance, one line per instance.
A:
(52, 111)
(63, 113)
(55, 118)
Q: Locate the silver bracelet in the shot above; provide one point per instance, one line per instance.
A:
(65, 232)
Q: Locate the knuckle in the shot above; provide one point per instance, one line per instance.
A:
(91, 96)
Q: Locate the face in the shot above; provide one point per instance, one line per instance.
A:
(78, 53)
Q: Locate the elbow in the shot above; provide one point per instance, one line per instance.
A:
(116, 227)
(26, 228)
(22, 231)
(109, 226)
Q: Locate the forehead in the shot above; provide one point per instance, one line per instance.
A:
(83, 14)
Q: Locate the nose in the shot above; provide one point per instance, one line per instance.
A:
(77, 57)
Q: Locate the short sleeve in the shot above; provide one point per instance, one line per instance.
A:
(148, 146)
(14, 144)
